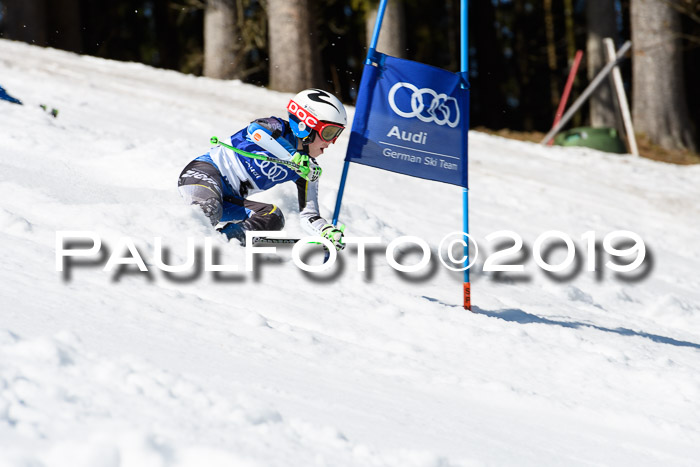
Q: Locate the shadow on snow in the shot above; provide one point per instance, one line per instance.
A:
(519, 316)
(515, 315)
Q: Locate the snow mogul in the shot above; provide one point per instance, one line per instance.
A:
(268, 152)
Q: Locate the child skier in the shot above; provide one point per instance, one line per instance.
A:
(221, 181)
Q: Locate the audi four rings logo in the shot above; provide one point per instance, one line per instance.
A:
(274, 172)
(441, 108)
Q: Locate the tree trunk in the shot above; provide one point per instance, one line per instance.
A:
(294, 54)
(569, 24)
(523, 70)
(570, 30)
(490, 98)
(166, 34)
(659, 101)
(392, 39)
(220, 39)
(600, 15)
(26, 21)
(64, 25)
(551, 54)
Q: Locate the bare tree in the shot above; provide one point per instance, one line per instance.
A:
(600, 16)
(392, 40)
(659, 100)
(221, 37)
(294, 53)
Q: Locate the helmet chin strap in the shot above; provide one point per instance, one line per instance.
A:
(306, 141)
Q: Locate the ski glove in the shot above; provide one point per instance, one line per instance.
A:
(334, 235)
(308, 168)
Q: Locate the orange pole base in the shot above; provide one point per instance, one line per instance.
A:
(467, 296)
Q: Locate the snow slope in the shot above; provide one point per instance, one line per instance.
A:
(280, 367)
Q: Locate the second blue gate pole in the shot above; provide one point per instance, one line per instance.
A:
(370, 52)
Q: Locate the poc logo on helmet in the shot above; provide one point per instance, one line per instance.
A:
(441, 108)
(304, 117)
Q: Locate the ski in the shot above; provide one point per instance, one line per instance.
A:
(288, 241)
(270, 240)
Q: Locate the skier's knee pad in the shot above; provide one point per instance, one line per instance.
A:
(276, 219)
(267, 217)
(203, 197)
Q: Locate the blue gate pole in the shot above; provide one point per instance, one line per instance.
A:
(370, 53)
(464, 59)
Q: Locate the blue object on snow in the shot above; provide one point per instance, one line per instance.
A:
(6, 97)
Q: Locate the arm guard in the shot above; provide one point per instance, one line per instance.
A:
(267, 133)
(311, 220)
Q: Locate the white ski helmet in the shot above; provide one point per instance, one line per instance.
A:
(314, 109)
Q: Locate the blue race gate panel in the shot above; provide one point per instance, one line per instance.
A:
(411, 119)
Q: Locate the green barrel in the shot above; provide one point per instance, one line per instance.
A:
(602, 139)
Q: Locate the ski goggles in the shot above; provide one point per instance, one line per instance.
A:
(329, 132)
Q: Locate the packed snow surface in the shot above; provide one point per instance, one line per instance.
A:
(279, 367)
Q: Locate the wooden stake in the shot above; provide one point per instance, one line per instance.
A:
(621, 97)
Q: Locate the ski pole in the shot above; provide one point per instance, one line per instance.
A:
(274, 241)
(288, 240)
(326, 256)
(262, 157)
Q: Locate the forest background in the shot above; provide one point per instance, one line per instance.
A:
(520, 52)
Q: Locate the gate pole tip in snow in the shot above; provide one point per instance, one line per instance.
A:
(467, 296)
